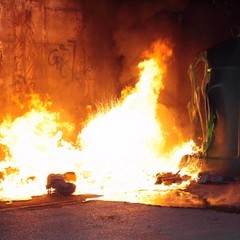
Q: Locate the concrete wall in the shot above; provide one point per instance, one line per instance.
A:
(80, 52)
(56, 47)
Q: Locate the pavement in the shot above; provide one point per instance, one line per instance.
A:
(103, 220)
(201, 212)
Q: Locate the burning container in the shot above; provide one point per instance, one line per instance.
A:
(215, 107)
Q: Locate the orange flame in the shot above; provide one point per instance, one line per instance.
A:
(120, 150)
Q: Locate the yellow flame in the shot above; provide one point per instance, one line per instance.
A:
(120, 150)
(34, 149)
(123, 148)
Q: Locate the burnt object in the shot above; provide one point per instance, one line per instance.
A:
(215, 107)
(61, 183)
(223, 96)
(169, 178)
(209, 177)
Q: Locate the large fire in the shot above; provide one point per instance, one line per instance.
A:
(119, 151)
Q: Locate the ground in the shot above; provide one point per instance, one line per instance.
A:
(74, 217)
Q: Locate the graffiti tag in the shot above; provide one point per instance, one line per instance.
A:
(63, 59)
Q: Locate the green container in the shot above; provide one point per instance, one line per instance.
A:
(220, 117)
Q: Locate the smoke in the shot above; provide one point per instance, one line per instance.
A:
(191, 26)
(139, 24)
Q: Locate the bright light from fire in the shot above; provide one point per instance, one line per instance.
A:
(121, 149)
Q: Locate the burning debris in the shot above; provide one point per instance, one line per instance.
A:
(169, 178)
(61, 183)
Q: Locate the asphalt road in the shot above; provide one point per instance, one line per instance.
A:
(102, 220)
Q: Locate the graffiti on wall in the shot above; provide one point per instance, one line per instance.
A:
(63, 59)
(33, 61)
